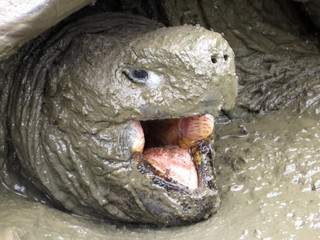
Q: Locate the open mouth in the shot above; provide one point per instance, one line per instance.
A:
(177, 152)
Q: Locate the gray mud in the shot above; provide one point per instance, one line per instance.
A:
(269, 182)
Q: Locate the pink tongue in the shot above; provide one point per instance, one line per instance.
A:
(174, 162)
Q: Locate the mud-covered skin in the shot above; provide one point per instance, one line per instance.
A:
(277, 59)
(72, 106)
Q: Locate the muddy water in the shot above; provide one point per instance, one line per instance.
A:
(270, 186)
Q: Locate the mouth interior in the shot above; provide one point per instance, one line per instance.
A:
(167, 146)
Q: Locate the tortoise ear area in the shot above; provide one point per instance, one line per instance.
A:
(56, 84)
(138, 76)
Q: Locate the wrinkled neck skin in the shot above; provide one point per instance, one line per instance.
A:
(73, 109)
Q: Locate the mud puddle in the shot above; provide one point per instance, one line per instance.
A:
(270, 186)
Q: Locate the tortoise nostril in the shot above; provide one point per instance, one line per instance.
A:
(225, 57)
(213, 59)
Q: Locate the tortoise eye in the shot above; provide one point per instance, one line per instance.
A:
(137, 76)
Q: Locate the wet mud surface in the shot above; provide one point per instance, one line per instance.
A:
(269, 183)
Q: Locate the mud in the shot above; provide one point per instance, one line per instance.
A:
(270, 185)
(269, 181)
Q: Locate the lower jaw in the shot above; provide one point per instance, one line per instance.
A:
(170, 203)
(202, 155)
